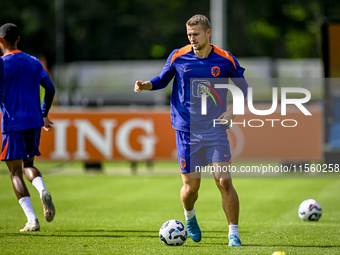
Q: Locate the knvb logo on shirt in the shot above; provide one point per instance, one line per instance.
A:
(205, 90)
(215, 71)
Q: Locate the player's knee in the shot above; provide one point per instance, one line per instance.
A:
(28, 162)
(31, 173)
(191, 189)
(224, 183)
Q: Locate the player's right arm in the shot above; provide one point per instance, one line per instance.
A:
(160, 81)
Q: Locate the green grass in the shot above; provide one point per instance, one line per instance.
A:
(122, 214)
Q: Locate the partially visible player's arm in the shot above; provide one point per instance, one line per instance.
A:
(238, 78)
(139, 86)
(48, 124)
(48, 99)
(227, 115)
(2, 80)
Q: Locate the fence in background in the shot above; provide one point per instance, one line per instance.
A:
(107, 83)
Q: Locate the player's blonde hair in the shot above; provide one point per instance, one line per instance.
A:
(199, 19)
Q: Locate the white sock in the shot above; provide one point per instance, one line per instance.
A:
(39, 184)
(26, 205)
(189, 214)
(233, 230)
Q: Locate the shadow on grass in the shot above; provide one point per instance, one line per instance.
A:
(131, 230)
(129, 233)
(247, 245)
(291, 245)
(37, 234)
(109, 230)
(89, 233)
(152, 234)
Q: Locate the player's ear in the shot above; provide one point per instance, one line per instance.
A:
(208, 32)
(17, 39)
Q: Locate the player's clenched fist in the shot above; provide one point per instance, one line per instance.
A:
(139, 86)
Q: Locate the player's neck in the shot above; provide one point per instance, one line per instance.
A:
(9, 48)
(204, 52)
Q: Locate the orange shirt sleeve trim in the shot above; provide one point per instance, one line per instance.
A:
(181, 52)
(224, 54)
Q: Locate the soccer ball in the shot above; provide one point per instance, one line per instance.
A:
(310, 210)
(173, 232)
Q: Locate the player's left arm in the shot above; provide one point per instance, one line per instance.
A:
(227, 115)
(237, 76)
(47, 84)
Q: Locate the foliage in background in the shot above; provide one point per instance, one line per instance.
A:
(145, 29)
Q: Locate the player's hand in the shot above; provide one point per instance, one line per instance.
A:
(48, 125)
(228, 115)
(139, 86)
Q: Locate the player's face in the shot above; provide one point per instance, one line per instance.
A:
(198, 37)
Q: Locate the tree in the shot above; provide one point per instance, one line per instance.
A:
(149, 29)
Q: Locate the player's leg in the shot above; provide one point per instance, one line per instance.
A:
(191, 184)
(19, 186)
(230, 201)
(219, 157)
(189, 195)
(22, 193)
(34, 175)
(189, 191)
(13, 151)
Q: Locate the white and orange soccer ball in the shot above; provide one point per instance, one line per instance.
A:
(310, 210)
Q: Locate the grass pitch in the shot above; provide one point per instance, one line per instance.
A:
(122, 214)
